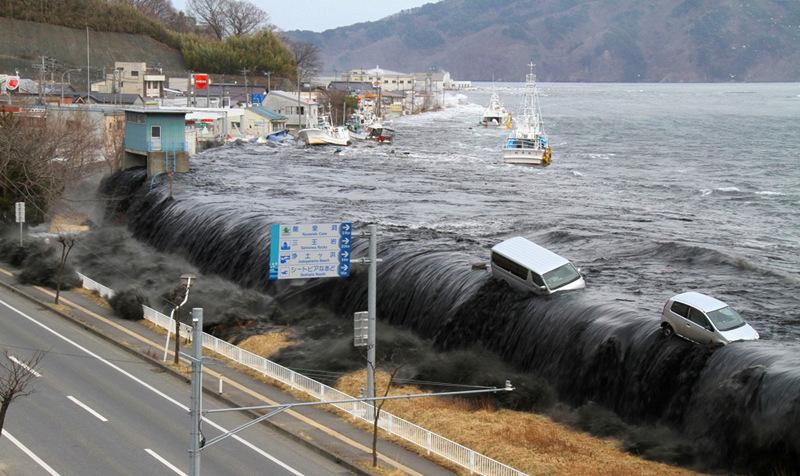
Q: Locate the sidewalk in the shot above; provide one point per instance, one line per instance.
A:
(323, 431)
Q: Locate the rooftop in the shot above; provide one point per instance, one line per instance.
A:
(700, 301)
(529, 254)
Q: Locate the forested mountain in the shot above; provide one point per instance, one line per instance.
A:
(579, 40)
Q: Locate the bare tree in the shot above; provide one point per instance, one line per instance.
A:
(161, 10)
(114, 144)
(378, 406)
(15, 380)
(212, 13)
(244, 17)
(306, 57)
(67, 242)
(40, 155)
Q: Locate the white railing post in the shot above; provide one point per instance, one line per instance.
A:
(428, 443)
(471, 462)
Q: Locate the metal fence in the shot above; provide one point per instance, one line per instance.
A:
(429, 441)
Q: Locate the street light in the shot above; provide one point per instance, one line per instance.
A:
(66, 73)
(186, 281)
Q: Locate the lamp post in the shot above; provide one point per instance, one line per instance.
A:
(66, 73)
(186, 281)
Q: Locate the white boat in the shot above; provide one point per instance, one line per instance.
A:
(324, 133)
(496, 114)
(528, 143)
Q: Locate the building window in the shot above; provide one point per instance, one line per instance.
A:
(134, 73)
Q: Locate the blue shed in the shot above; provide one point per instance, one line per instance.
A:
(156, 139)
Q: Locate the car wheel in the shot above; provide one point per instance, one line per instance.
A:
(667, 330)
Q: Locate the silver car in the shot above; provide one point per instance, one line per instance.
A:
(703, 319)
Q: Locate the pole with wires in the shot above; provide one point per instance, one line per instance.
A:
(196, 409)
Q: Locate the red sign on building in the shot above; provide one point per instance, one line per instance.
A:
(12, 83)
(201, 81)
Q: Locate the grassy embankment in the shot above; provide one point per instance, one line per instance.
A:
(527, 441)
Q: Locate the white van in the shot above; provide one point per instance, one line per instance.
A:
(528, 267)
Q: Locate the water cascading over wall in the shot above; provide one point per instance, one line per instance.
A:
(740, 403)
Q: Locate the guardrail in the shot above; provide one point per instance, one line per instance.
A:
(431, 442)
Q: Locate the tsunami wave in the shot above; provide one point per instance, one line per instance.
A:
(739, 405)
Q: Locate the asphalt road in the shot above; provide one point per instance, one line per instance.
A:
(98, 410)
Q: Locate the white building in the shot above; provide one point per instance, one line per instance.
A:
(386, 79)
(132, 78)
(299, 112)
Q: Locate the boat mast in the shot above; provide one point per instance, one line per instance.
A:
(531, 115)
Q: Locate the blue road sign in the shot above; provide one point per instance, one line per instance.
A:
(315, 250)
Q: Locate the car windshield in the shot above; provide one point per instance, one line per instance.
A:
(726, 319)
(561, 276)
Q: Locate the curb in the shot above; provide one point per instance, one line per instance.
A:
(86, 326)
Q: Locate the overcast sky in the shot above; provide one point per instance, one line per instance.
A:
(319, 15)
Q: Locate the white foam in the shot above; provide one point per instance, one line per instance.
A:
(728, 189)
(576, 173)
(769, 192)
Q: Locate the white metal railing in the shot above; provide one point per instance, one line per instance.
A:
(93, 285)
(432, 443)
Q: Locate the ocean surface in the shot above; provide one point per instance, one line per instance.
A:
(654, 189)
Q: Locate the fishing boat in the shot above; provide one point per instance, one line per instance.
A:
(528, 143)
(357, 124)
(380, 133)
(324, 133)
(495, 113)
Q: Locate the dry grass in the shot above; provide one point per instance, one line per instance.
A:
(62, 308)
(267, 345)
(529, 442)
(92, 296)
(68, 223)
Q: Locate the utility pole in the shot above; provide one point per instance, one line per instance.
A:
(196, 410)
(88, 81)
(246, 95)
(298, 99)
(268, 74)
(371, 308)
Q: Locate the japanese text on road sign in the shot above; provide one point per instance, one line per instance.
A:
(20, 209)
(317, 250)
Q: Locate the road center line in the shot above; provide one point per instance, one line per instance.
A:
(30, 453)
(153, 389)
(24, 366)
(87, 408)
(164, 461)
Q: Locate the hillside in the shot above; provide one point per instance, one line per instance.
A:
(573, 40)
(24, 42)
(119, 32)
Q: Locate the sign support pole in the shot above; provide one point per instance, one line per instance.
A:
(196, 411)
(20, 233)
(371, 308)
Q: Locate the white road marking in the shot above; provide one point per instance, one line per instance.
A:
(153, 389)
(30, 453)
(24, 365)
(164, 462)
(87, 408)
